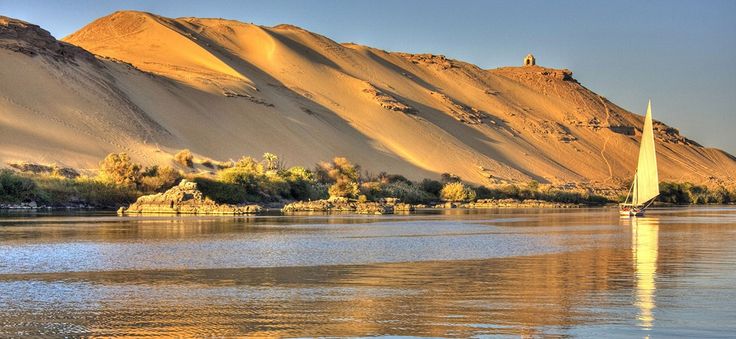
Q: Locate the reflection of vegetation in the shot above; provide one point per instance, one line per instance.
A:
(119, 180)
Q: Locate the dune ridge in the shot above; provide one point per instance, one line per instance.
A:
(150, 85)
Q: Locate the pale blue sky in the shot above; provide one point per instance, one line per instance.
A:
(681, 54)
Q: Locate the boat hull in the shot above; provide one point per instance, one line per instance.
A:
(631, 211)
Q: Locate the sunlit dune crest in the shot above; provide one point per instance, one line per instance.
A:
(223, 89)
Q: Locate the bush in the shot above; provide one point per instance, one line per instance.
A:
(340, 169)
(272, 162)
(406, 192)
(344, 189)
(15, 188)
(688, 193)
(159, 179)
(302, 185)
(118, 169)
(223, 192)
(431, 186)
(457, 191)
(342, 175)
(184, 158)
(242, 176)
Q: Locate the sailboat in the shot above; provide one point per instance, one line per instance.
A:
(645, 187)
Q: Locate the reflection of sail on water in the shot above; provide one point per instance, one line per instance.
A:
(645, 238)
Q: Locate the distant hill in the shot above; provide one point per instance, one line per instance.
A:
(150, 86)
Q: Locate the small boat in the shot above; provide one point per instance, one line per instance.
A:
(645, 187)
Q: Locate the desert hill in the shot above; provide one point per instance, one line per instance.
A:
(150, 86)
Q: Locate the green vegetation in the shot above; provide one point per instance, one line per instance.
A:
(119, 181)
(687, 193)
(58, 190)
(533, 190)
(457, 191)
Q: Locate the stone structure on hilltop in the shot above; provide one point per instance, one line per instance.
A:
(530, 60)
(184, 198)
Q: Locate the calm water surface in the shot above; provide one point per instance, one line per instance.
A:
(454, 273)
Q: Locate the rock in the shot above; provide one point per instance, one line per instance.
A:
(460, 112)
(402, 207)
(387, 101)
(185, 199)
(439, 62)
(22, 37)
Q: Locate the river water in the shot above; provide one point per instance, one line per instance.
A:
(453, 273)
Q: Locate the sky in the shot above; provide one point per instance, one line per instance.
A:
(680, 54)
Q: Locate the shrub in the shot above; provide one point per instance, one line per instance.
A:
(344, 189)
(272, 162)
(223, 192)
(372, 190)
(483, 192)
(242, 176)
(184, 158)
(15, 188)
(533, 185)
(249, 165)
(431, 186)
(158, 179)
(58, 191)
(340, 169)
(302, 184)
(118, 169)
(457, 191)
(688, 193)
(407, 192)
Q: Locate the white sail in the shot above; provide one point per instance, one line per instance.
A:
(646, 181)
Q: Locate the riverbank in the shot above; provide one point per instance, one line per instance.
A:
(267, 183)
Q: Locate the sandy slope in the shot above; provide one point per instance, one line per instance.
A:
(225, 89)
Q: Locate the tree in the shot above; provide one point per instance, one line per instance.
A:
(457, 191)
(344, 189)
(185, 158)
(339, 169)
(118, 169)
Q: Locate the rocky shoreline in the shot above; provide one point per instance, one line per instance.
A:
(390, 206)
(184, 198)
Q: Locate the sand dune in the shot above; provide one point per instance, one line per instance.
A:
(224, 89)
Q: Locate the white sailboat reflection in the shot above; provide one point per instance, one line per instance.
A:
(644, 239)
